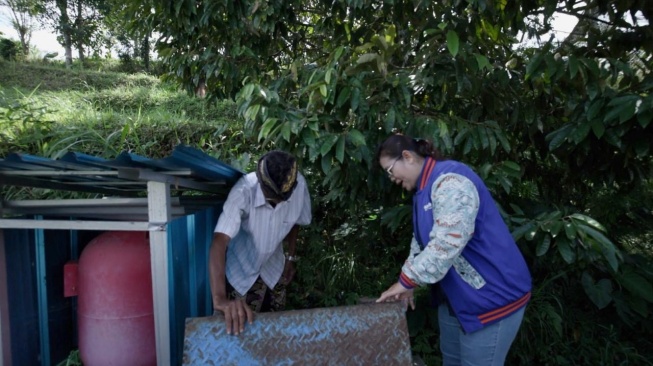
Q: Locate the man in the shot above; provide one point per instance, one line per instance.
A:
(246, 259)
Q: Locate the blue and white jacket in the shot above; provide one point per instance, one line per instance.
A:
(461, 242)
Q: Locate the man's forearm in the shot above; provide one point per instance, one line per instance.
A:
(217, 265)
(291, 240)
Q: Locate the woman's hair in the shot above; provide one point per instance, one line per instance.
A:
(394, 145)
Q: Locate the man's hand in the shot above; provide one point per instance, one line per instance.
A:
(236, 312)
(288, 273)
(398, 292)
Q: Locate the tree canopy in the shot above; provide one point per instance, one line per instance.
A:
(560, 131)
(558, 123)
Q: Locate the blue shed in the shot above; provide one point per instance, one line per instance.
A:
(176, 199)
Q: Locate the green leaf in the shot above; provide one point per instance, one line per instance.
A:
(558, 137)
(367, 57)
(543, 246)
(503, 140)
(600, 293)
(598, 128)
(522, 230)
(355, 99)
(581, 132)
(309, 138)
(343, 96)
(285, 131)
(266, 128)
(571, 230)
(252, 112)
(565, 250)
(482, 62)
(517, 209)
(247, 91)
(512, 166)
(482, 133)
(533, 64)
(529, 235)
(390, 120)
(556, 226)
(328, 143)
(356, 138)
(623, 108)
(637, 284)
(326, 163)
(645, 117)
(608, 249)
(327, 76)
(588, 221)
(340, 149)
(452, 42)
(594, 109)
(573, 66)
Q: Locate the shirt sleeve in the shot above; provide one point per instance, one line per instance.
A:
(455, 206)
(305, 216)
(233, 210)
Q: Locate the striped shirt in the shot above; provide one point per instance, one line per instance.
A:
(257, 230)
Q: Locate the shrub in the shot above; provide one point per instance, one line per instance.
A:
(9, 49)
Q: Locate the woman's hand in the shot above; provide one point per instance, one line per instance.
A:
(398, 292)
(235, 313)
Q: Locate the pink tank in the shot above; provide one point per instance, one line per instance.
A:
(115, 311)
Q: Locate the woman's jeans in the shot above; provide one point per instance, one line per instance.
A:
(486, 347)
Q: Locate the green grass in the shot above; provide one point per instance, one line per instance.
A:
(48, 110)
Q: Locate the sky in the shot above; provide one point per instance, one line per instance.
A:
(45, 40)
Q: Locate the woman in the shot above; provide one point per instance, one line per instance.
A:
(462, 248)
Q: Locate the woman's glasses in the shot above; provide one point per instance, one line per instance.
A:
(389, 169)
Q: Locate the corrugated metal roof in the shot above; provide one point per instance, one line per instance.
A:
(126, 175)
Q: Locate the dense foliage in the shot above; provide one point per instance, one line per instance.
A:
(561, 132)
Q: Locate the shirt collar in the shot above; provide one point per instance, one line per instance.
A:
(259, 199)
(427, 168)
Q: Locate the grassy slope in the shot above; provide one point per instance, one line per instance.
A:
(49, 110)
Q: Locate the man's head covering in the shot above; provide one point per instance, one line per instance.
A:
(277, 173)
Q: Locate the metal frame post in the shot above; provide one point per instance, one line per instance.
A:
(158, 197)
(42, 291)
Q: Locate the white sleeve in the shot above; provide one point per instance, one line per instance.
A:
(306, 216)
(455, 206)
(233, 210)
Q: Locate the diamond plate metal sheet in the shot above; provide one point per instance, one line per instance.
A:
(369, 334)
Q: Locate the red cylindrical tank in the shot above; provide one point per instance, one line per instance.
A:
(115, 312)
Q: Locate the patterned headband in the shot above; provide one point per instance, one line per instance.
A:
(281, 189)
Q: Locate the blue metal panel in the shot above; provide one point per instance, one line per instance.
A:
(204, 164)
(43, 330)
(189, 238)
(371, 334)
(60, 311)
(23, 311)
(204, 168)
